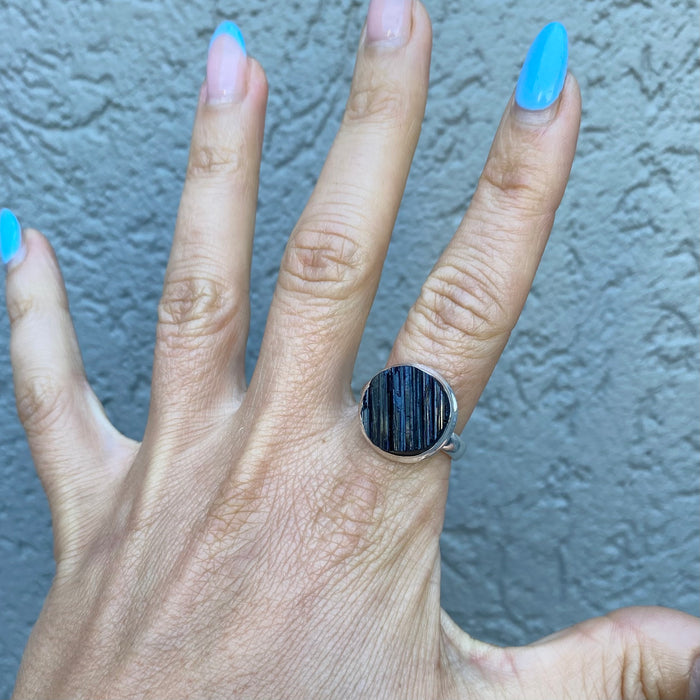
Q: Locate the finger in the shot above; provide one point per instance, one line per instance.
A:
(77, 452)
(331, 267)
(472, 299)
(204, 310)
(643, 652)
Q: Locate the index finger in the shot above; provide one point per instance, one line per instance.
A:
(473, 297)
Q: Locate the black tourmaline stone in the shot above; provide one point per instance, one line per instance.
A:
(405, 410)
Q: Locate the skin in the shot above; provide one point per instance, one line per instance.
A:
(236, 552)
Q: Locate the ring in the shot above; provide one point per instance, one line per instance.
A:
(410, 413)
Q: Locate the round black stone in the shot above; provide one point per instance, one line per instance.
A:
(404, 410)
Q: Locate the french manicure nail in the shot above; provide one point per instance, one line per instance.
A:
(10, 236)
(694, 685)
(226, 65)
(389, 21)
(544, 70)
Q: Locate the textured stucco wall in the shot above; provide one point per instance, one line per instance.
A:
(580, 489)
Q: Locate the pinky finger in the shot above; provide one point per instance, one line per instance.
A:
(76, 450)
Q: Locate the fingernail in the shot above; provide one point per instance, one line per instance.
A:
(226, 65)
(694, 685)
(10, 236)
(544, 70)
(389, 21)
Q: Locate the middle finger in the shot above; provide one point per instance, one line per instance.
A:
(331, 266)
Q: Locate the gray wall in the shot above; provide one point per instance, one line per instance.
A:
(580, 490)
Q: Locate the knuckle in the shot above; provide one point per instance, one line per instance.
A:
(640, 673)
(324, 260)
(512, 185)
(19, 307)
(41, 400)
(214, 160)
(376, 102)
(458, 302)
(193, 308)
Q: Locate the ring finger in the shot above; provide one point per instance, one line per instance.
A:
(204, 310)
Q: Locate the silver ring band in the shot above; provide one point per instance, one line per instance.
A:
(409, 413)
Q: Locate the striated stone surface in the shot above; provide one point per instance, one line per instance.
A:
(405, 410)
(579, 490)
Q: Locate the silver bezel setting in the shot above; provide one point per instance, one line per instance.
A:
(448, 442)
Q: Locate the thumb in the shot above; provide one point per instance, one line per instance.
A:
(639, 652)
(76, 450)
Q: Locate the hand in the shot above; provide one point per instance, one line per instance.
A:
(253, 545)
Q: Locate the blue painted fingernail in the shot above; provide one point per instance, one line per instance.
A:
(10, 235)
(544, 70)
(230, 28)
(226, 65)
